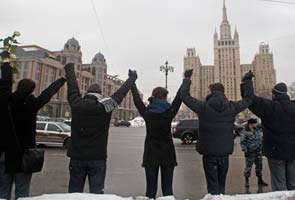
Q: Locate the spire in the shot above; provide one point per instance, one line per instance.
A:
(224, 12)
(236, 31)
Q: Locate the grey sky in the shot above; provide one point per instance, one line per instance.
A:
(143, 34)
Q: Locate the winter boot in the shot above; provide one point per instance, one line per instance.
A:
(261, 182)
(247, 182)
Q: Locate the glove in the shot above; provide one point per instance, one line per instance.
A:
(188, 73)
(248, 76)
(5, 55)
(132, 74)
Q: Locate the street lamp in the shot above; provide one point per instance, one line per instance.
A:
(165, 68)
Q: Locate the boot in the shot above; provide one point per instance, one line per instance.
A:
(261, 182)
(247, 182)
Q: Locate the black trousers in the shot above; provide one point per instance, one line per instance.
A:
(152, 180)
(215, 170)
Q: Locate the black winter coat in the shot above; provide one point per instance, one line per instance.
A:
(5, 94)
(278, 126)
(158, 147)
(90, 121)
(216, 119)
(24, 110)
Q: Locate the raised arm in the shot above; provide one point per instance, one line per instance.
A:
(123, 90)
(194, 104)
(48, 93)
(247, 91)
(137, 100)
(259, 106)
(176, 103)
(74, 95)
(6, 79)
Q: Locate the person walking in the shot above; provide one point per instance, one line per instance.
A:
(23, 107)
(277, 116)
(91, 116)
(216, 120)
(251, 144)
(159, 151)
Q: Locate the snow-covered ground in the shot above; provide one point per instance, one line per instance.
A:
(290, 195)
(265, 196)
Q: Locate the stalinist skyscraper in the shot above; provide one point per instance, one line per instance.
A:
(227, 68)
(227, 58)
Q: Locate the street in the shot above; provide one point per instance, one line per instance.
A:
(125, 176)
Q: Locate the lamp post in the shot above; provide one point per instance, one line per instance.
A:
(166, 68)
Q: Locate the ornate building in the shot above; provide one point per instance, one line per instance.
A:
(227, 68)
(45, 66)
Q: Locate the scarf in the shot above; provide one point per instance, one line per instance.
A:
(159, 106)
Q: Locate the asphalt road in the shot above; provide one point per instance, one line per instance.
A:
(125, 176)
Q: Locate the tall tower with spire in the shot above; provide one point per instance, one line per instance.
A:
(227, 58)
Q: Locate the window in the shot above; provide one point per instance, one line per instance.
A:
(40, 126)
(52, 127)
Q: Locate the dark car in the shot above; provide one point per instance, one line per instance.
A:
(186, 130)
(122, 123)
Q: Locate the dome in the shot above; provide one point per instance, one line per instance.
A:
(99, 57)
(72, 45)
(73, 42)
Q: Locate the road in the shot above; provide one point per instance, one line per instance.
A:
(125, 176)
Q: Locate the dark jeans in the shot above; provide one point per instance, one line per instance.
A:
(22, 183)
(152, 180)
(215, 170)
(94, 170)
(282, 174)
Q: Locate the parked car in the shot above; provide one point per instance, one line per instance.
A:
(137, 122)
(186, 130)
(68, 122)
(53, 133)
(122, 123)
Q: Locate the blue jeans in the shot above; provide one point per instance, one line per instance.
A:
(215, 170)
(22, 183)
(94, 170)
(282, 174)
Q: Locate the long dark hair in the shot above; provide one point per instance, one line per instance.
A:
(158, 93)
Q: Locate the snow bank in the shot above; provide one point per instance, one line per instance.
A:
(290, 195)
(84, 196)
(76, 196)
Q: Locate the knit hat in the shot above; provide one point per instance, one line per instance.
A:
(94, 88)
(280, 88)
(252, 121)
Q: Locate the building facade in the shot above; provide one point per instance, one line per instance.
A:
(227, 68)
(45, 66)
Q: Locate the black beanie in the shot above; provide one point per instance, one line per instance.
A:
(26, 86)
(280, 88)
(252, 121)
(94, 88)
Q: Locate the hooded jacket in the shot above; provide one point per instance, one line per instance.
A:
(23, 109)
(216, 119)
(90, 119)
(277, 118)
(158, 147)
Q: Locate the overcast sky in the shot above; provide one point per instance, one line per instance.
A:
(143, 34)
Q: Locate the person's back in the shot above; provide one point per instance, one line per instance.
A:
(91, 116)
(277, 116)
(89, 127)
(159, 152)
(216, 123)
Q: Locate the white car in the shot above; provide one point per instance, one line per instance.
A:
(137, 122)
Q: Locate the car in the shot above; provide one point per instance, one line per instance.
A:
(186, 130)
(53, 134)
(122, 123)
(68, 122)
